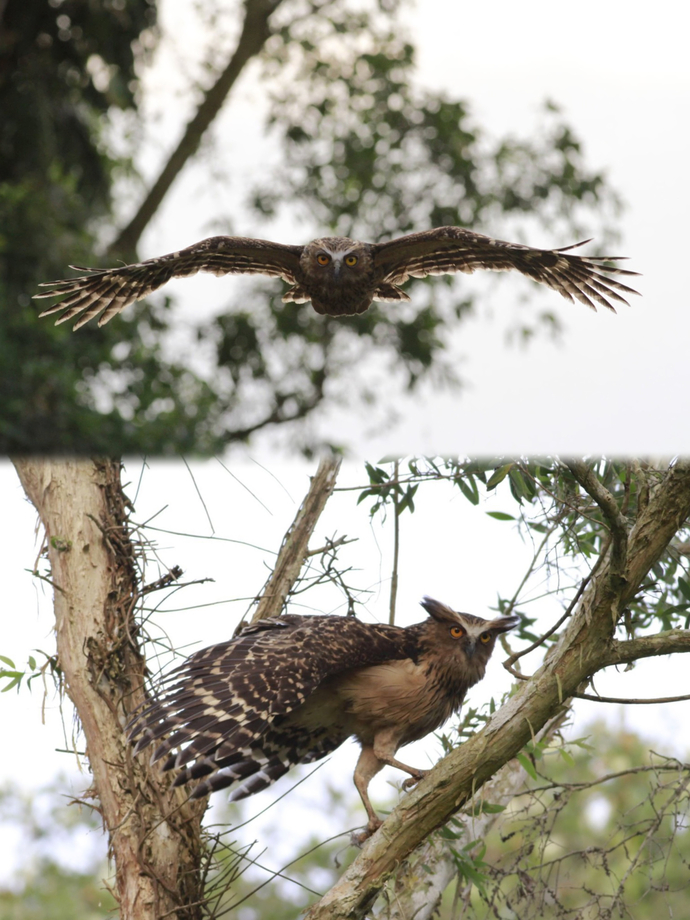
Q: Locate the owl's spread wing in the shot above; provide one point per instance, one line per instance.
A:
(227, 707)
(112, 289)
(446, 250)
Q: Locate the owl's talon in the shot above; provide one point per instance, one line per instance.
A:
(359, 838)
(413, 780)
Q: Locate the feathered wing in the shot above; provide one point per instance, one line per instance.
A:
(110, 290)
(225, 713)
(446, 250)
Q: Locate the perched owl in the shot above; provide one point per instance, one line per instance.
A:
(340, 277)
(291, 690)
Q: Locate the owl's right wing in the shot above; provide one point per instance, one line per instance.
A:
(230, 698)
(446, 250)
(112, 289)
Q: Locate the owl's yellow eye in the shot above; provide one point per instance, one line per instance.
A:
(485, 637)
(457, 632)
(351, 260)
(323, 259)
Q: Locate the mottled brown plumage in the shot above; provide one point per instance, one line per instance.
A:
(293, 689)
(340, 276)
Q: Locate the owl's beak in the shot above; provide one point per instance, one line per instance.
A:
(471, 648)
(337, 264)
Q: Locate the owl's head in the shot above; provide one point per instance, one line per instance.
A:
(465, 639)
(337, 258)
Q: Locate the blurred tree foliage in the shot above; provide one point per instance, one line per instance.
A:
(561, 849)
(364, 152)
(579, 844)
(63, 864)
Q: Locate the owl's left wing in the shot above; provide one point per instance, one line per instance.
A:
(446, 250)
(110, 290)
(225, 708)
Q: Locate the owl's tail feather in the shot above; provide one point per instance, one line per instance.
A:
(261, 775)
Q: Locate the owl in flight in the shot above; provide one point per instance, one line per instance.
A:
(341, 277)
(292, 689)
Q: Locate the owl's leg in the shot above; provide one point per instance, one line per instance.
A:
(367, 767)
(386, 743)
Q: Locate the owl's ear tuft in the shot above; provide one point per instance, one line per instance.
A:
(503, 624)
(440, 612)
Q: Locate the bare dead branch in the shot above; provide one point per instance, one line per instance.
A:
(612, 699)
(255, 31)
(509, 662)
(295, 546)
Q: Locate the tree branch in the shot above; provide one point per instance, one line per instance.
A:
(295, 546)
(607, 503)
(664, 643)
(631, 701)
(255, 31)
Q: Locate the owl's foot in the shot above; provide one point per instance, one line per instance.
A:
(358, 839)
(414, 779)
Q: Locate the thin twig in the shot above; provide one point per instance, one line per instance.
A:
(396, 543)
(611, 699)
(609, 508)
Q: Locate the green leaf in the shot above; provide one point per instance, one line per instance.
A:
(471, 492)
(16, 678)
(500, 516)
(376, 474)
(677, 608)
(499, 476)
(7, 661)
(567, 757)
(520, 487)
(584, 744)
(487, 808)
(527, 765)
(466, 869)
(684, 588)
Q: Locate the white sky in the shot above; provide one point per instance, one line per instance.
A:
(614, 384)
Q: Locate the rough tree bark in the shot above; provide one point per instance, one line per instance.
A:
(585, 647)
(154, 832)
